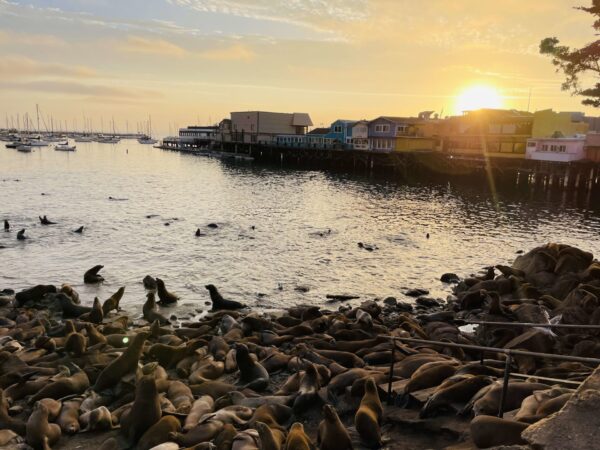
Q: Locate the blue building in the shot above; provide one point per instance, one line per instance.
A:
(340, 133)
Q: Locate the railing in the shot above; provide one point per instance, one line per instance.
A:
(509, 355)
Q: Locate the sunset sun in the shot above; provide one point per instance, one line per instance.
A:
(476, 97)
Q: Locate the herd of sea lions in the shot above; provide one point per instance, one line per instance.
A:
(299, 379)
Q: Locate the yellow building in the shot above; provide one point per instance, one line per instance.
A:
(547, 123)
(413, 143)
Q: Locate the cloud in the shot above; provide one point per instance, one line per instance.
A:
(31, 39)
(18, 67)
(237, 52)
(138, 44)
(77, 88)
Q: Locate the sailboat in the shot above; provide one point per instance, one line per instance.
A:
(147, 138)
(65, 147)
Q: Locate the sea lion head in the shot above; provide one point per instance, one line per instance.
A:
(329, 413)
(211, 287)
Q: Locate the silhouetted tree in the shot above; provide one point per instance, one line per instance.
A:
(576, 63)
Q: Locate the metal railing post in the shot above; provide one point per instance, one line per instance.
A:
(505, 384)
(391, 374)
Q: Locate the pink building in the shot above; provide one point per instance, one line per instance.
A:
(560, 149)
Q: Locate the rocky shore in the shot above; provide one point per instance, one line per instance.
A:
(76, 375)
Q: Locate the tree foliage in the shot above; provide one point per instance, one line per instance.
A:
(577, 63)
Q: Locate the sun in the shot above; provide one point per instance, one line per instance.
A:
(477, 97)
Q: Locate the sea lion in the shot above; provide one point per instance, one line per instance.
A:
(124, 364)
(203, 432)
(94, 336)
(34, 294)
(75, 384)
(218, 302)
(92, 276)
(454, 393)
(78, 230)
(110, 444)
(145, 410)
(517, 391)
(21, 235)
(159, 432)
(218, 348)
(297, 439)
(39, 433)
(69, 291)
(166, 298)
(68, 420)
(332, 434)
(6, 225)
(112, 303)
(224, 439)
(200, 407)
(149, 283)
(151, 312)
(215, 389)
(181, 396)
(69, 308)
(252, 374)
(489, 431)
(6, 421)
(246, 440)
(368, 416)
(270, 439)
(96, 315)
(308, 392)
(45, 221)
(98, 419)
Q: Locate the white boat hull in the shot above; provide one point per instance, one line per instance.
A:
(24, 148)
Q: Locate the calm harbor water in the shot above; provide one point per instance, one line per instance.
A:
(292, 212)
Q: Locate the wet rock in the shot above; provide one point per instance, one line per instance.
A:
(404, 307)
(302, 288)
(449, 278)
(416, 292)
(427, 302)
(391, 301)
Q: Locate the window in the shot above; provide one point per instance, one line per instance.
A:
(532, 144)
(401, 129)
(382, 128)
(337, 129)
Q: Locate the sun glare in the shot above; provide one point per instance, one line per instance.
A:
(477, 97)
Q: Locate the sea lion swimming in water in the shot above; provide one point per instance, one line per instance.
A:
(150, 311)
(21, 235)
(149, 283)
(92, 277)
(78, 230)
(332, 434)
(6, 225)
(166, 298)
(44, 221)
(218, 302)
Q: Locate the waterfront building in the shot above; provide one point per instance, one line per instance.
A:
(340, 134)
(192, 137)
(547, 123)
(592, 147)
(487, 133)
(360, 135)
(317, 138)
(556, 149)
(262, 127)
(291, 140)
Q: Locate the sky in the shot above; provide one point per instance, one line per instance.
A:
(185, 62)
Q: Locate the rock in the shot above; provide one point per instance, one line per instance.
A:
(576, 425)
(416, 292)
(390, 301)
(428, 302)
(449, 278)
(404, 307)
(302, 288)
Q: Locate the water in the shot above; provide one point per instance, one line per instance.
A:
(291, 211)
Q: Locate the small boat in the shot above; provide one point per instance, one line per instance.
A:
(65, 147)
(84, 139)
(25, 148)
(38, 143)
(109, 140)
(145, 139)
(13, 144)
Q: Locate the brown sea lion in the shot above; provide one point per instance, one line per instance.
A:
(224, 439)
(297, 439)
(517, 391)
(246, 440)
(53, 407)
(39, 433)
(75, 384)
(369, 414)
(144, 412)
(94, 336)
(308, 391)
(203, 432)
(200, 407)
(332, 434)
(215, 389)
(98, 419)
(124, 364)
(218, 302)
(112, 303)
(165, 297)
(181, 396)
(150, 310)
(92, 276)
(252, 374)
(69, 308)
(489, 431)
(68, 290)
(454, 393)
(270, 439)
(75, 343)
(159, 432)
(68, 420)
(6, 421)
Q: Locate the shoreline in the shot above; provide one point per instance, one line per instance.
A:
(243, 368)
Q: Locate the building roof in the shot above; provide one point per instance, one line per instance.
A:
(301, 120)
(319, 131)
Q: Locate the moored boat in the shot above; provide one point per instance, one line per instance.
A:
(25, 148)
(65, 147)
